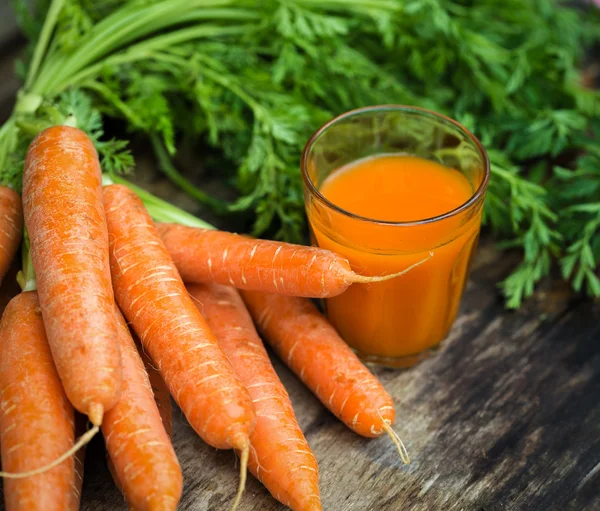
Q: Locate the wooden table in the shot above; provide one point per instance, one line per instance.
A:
(505, 417)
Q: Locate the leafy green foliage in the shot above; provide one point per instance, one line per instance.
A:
(255, 79)
(518, 210)
(30, 19)
(577, 194)
(75, 109)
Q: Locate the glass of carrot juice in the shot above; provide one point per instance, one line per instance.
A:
(394, 188)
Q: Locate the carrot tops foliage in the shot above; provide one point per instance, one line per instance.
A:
(255, 78)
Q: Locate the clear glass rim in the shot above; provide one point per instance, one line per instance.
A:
(473, 200)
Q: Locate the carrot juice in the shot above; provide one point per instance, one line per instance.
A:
(385, 212)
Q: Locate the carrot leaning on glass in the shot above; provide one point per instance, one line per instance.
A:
(154, 300)
(280, 456)
(144, 463)
(310, 346)
(11, 227)
(205, 255)
(36, 418)
(64, 216)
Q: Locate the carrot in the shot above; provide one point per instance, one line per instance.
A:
(154, 300)
(160, 391)
(280, 456)
(162, 398)
(144, 461)
(204, 255)
(36, 418)
(11, 227)
(62, 204)
(311, 347)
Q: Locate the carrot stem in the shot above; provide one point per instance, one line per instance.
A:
(83, 440)
(26, 276)
(159, 209)
(166, 165)
(32, 127)
(42, 45)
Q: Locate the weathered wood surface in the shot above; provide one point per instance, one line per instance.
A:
(505, 417)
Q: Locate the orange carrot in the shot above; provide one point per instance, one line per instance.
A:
(11, 227)
(280, 456)
(144, 461)
(311, 347)
(204, 255)
(153, 298)
(162, 398)
(64, 216)
(160, 391)
(36, 418)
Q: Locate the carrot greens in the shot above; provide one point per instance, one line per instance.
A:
(252, 80)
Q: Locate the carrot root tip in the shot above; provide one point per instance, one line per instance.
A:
(243, 472)
(83, 440)
(95, 414)
(365, 279)
(398, 443)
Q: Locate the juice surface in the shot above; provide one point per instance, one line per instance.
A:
(412, 313)
(397, 188)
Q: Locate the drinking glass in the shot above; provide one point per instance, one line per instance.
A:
(397, 322)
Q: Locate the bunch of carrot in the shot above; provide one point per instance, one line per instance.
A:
(105, 327)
